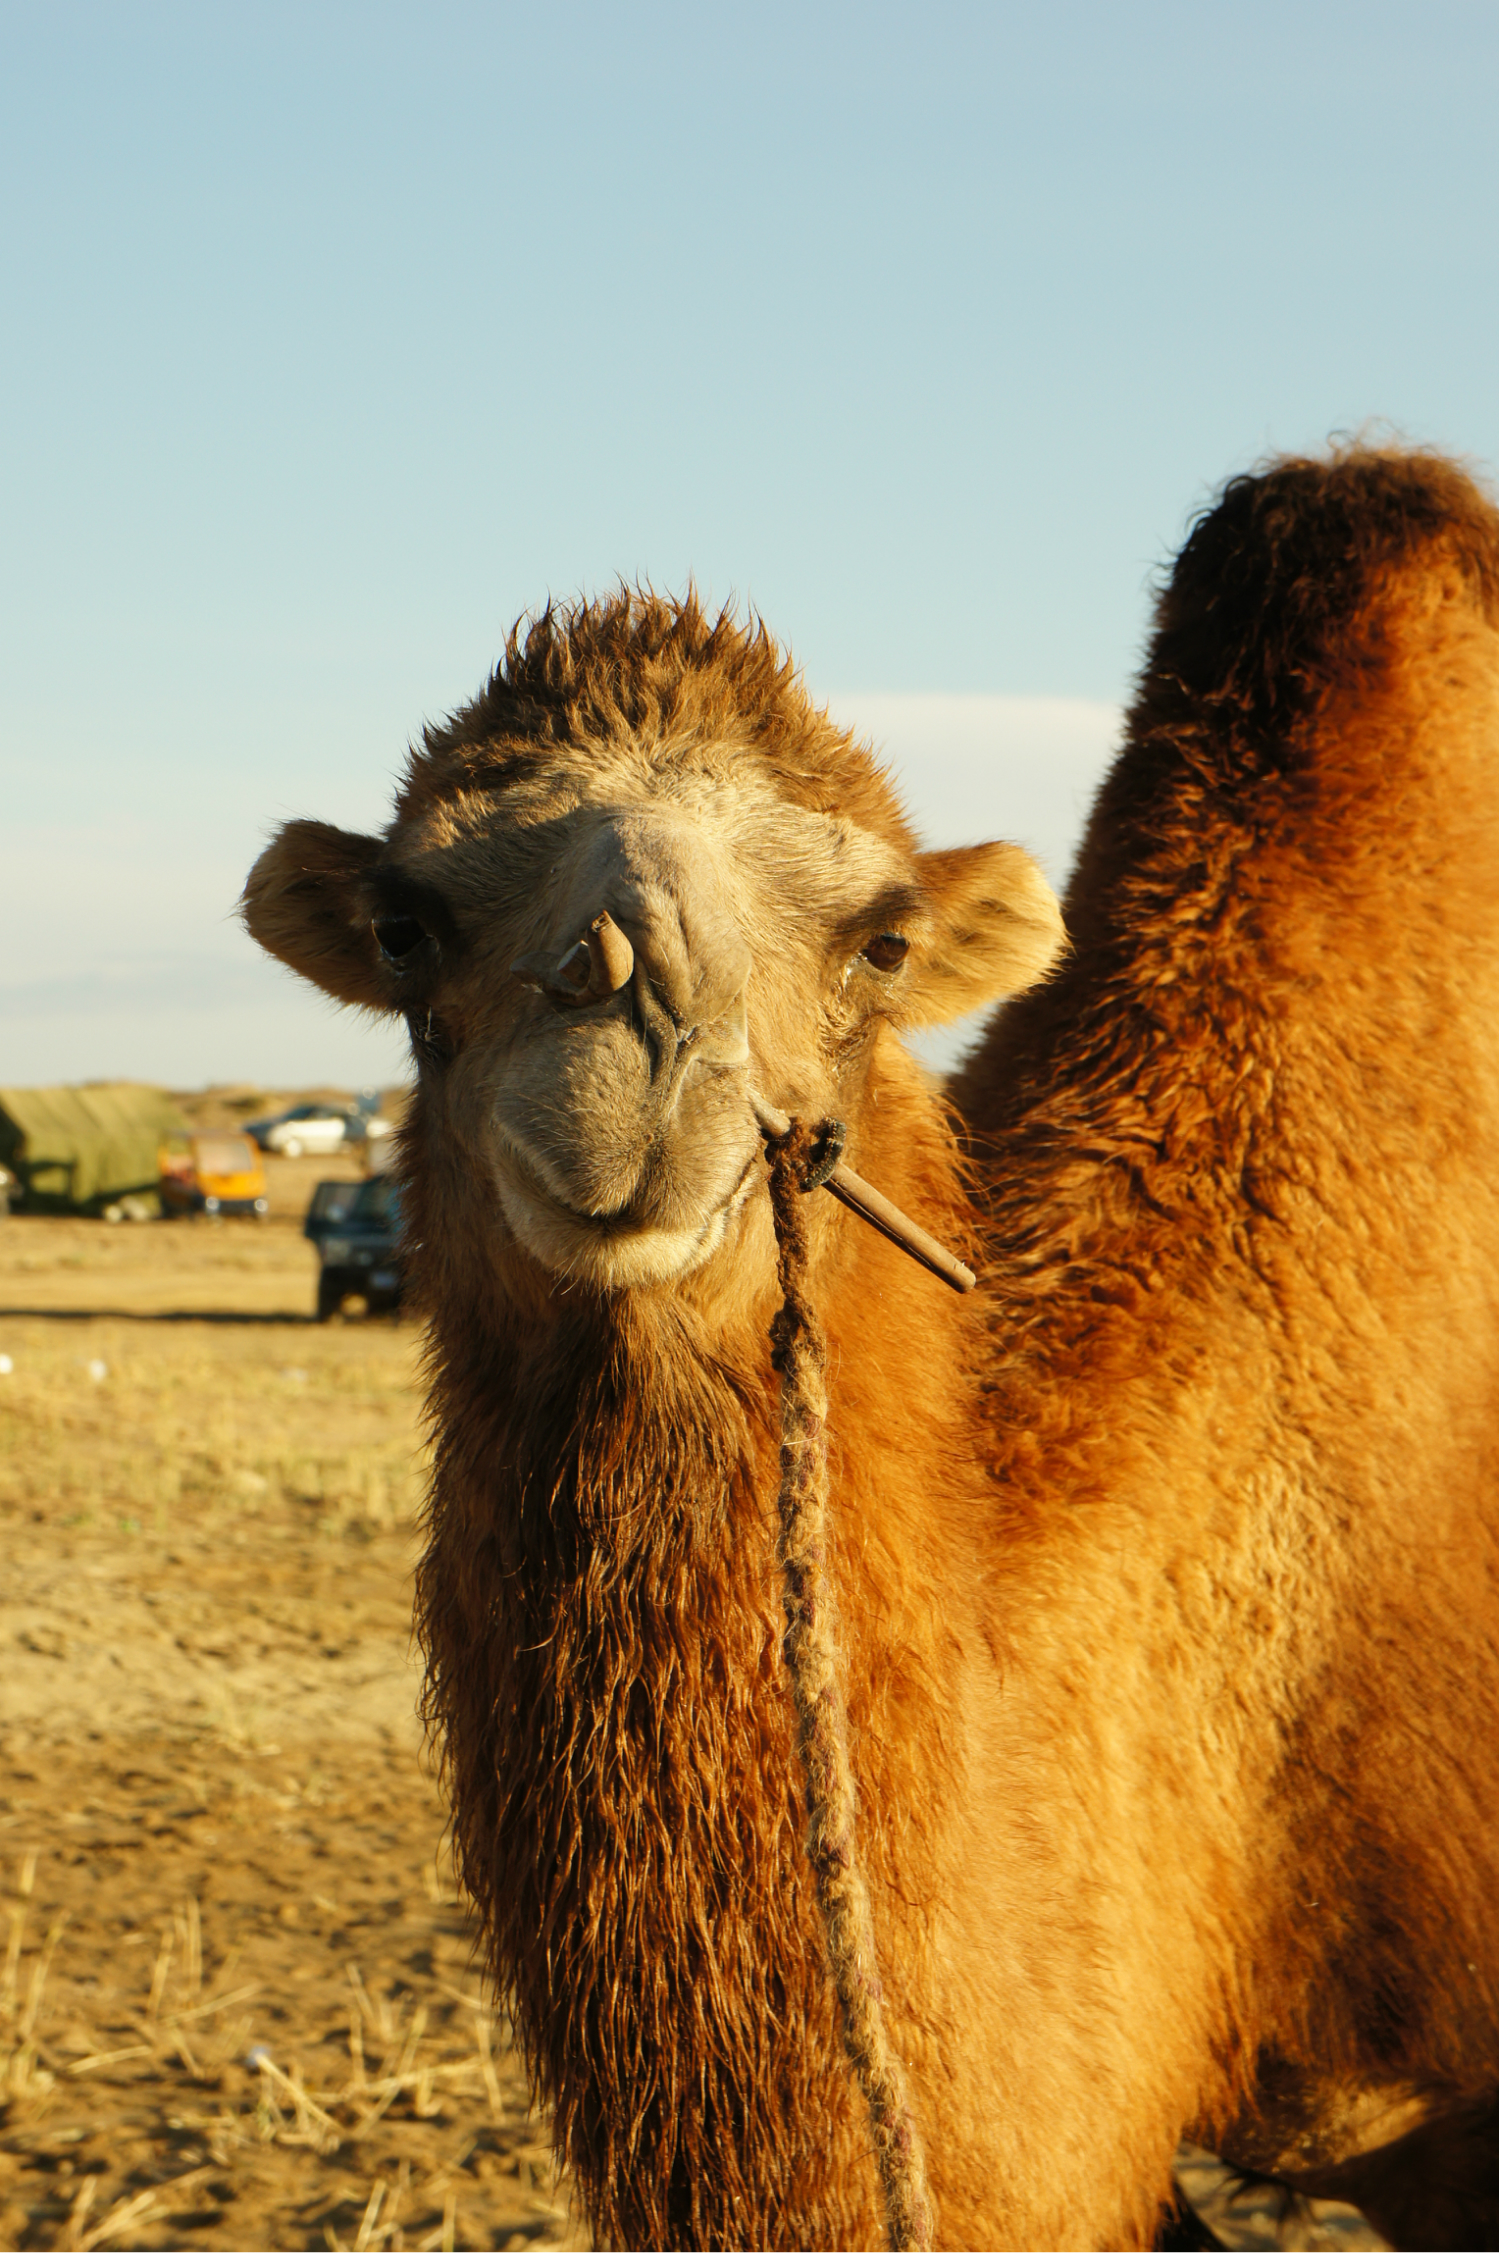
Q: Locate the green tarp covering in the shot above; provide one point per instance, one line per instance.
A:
(75, 1148)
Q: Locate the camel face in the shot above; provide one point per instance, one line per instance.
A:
(615, 1116)
(603, 952)
(612, 1111)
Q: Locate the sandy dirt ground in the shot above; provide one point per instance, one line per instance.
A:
(237, 1998)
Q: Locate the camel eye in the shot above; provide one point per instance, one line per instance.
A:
(887, 950)
(398, 937)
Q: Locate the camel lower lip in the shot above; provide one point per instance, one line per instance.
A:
(623, 1249)
(624, 1222)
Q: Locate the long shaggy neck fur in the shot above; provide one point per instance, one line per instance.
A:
(600, 1612)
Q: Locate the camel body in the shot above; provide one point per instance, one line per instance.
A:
(1165, 1563)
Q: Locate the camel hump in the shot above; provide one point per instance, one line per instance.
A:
(1302, 824)
(1284, 589)
(1316, 728)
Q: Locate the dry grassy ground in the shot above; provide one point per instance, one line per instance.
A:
(237, 2002)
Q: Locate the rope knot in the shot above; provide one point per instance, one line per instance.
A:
(812, 1152)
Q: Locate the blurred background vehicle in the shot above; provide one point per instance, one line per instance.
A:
(354, 1226)
(218, 1174)
(315, 1129)
(86, 1150)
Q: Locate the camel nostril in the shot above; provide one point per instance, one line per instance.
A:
(732, 1031)
(723, 1041)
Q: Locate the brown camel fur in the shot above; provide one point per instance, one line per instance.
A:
(1165, 1563)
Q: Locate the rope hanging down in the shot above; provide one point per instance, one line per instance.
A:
(800, 1355)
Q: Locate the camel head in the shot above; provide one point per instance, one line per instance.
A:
(637, 879)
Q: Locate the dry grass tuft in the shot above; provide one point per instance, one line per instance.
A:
(198, 2038)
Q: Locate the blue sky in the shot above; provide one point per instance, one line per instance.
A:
(334, 337)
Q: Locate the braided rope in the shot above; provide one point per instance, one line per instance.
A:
(800, 1356)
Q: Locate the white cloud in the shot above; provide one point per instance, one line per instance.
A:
(973, 767)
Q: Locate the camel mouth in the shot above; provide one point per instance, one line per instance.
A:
(631, 1246)
(619, 1156)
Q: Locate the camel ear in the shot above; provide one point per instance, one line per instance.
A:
(305, 903)
(997, 929)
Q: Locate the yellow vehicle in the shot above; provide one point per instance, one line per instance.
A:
(214, 1174)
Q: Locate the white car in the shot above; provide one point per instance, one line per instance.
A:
(310, 1128)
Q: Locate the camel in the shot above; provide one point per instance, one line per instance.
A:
(1165, 1560)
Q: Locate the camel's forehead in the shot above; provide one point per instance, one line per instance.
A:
(733, 803)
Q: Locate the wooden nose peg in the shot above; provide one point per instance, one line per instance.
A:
(611, 958)
(863, 1198)
(600, 963)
